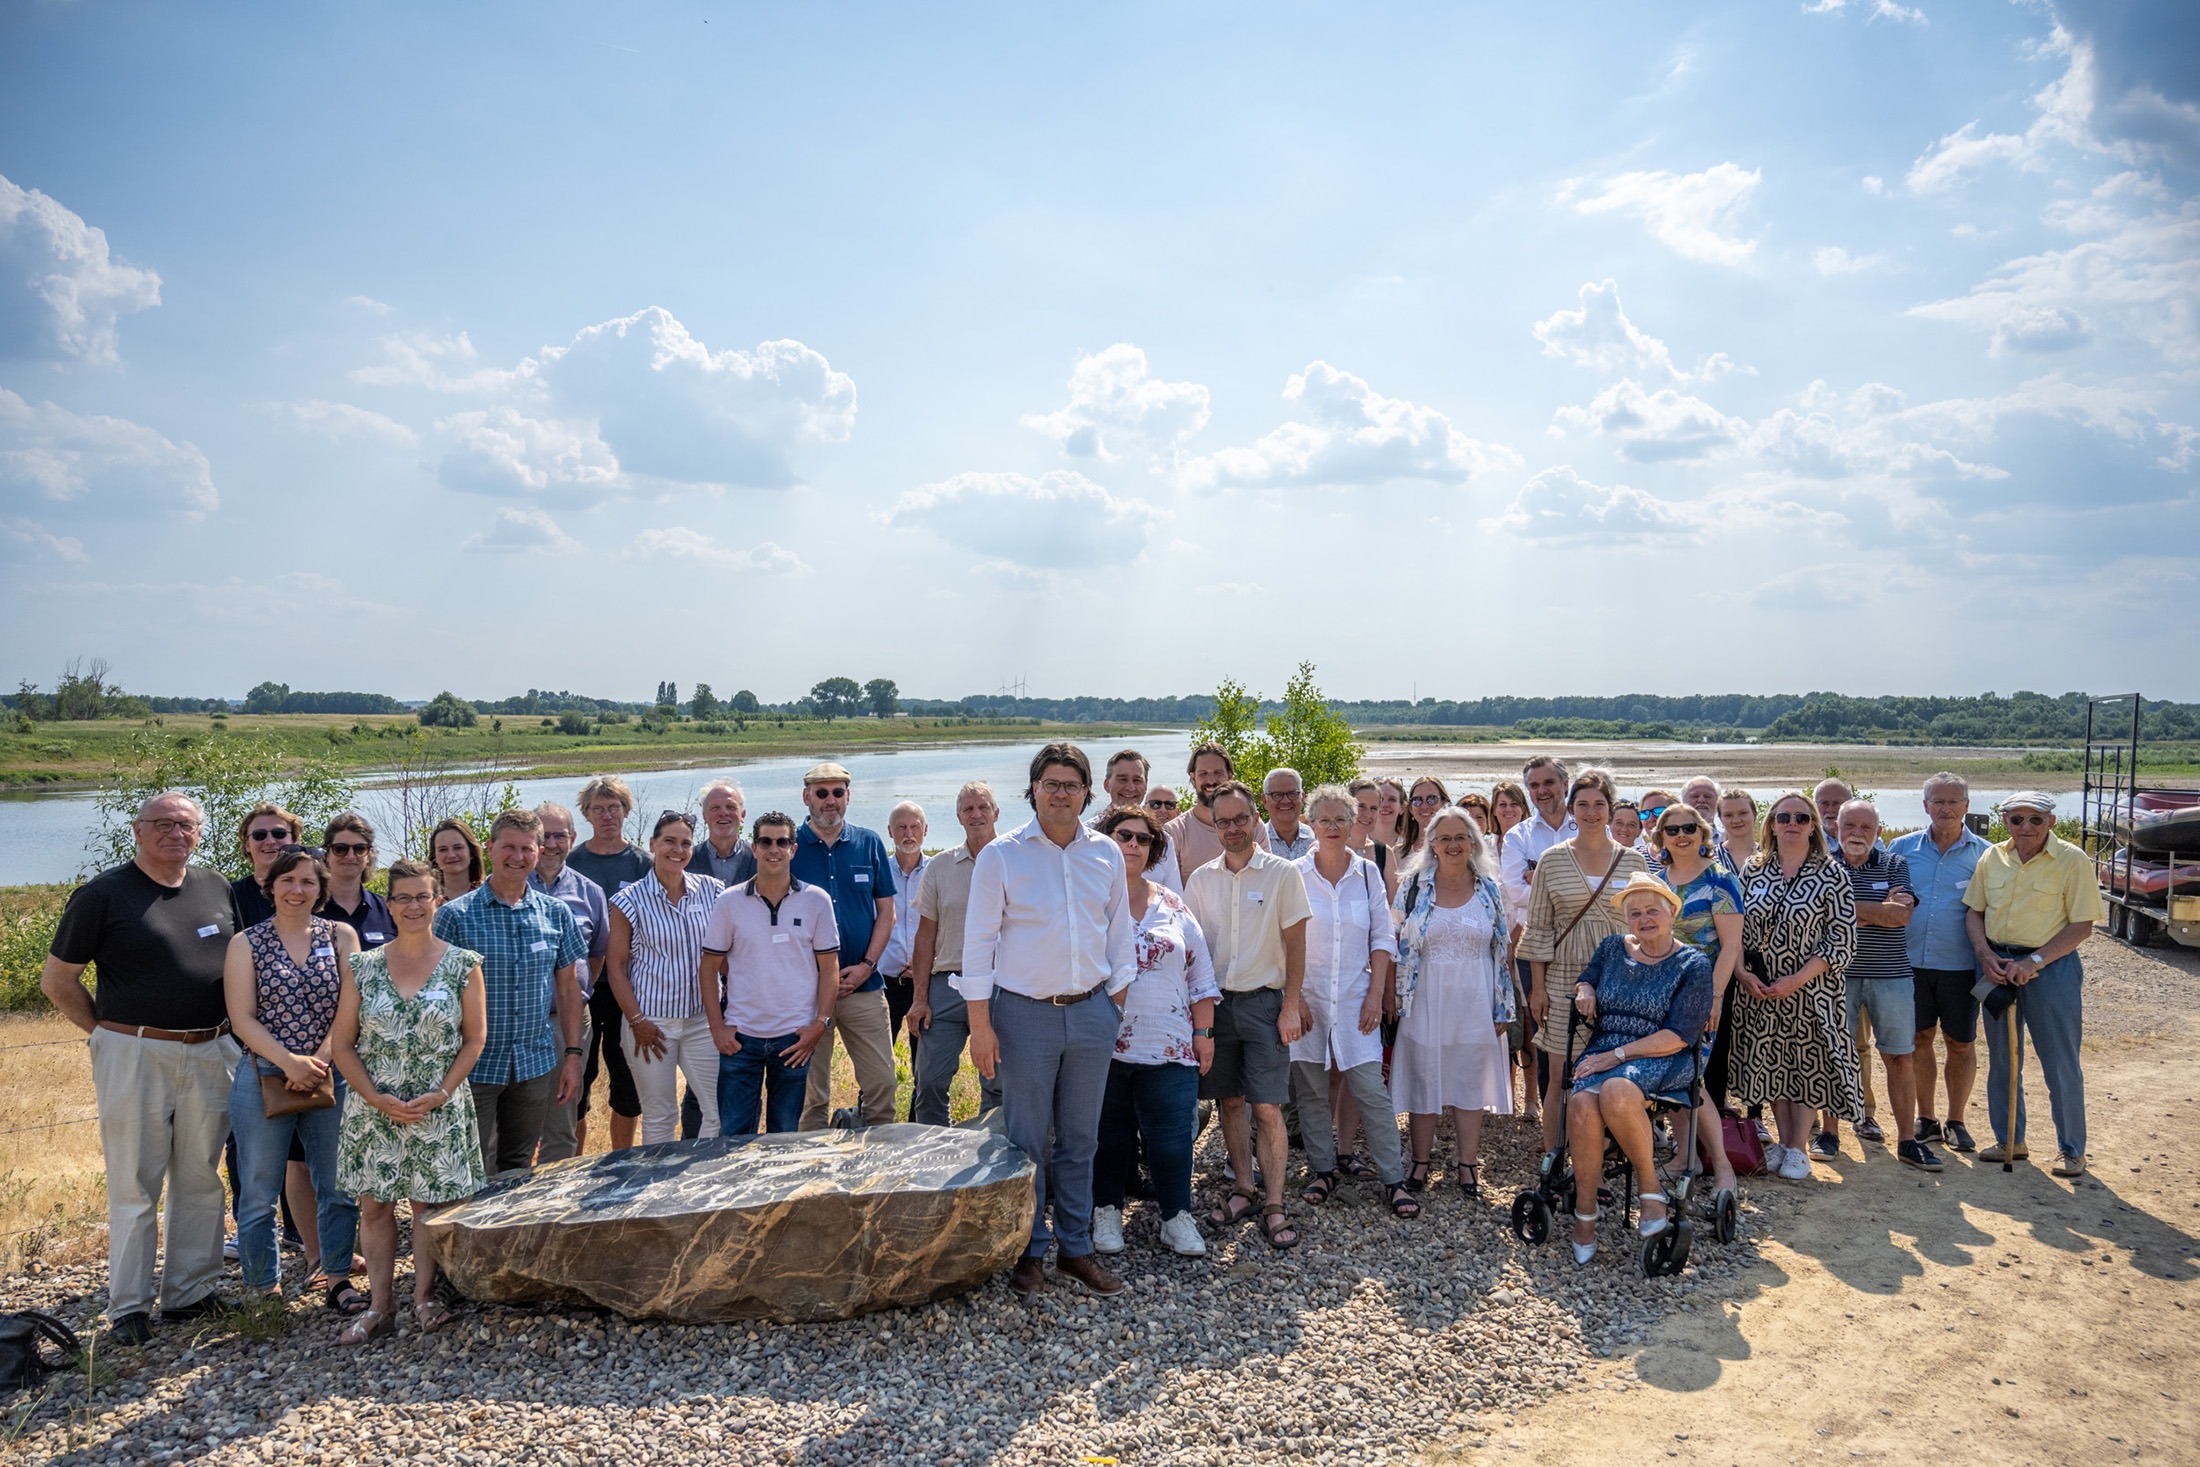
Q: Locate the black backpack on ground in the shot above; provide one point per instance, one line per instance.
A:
(24, 1359)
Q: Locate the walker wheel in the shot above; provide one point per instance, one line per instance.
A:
(1531, 1218)
(1726, 1221)
(1665, 1252)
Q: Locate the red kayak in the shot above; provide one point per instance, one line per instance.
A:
(2149, 876)
(2163, 822)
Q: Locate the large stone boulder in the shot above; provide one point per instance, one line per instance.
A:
(811, 1225)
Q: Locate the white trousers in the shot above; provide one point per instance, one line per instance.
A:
(163, 1117)
(688, 1051)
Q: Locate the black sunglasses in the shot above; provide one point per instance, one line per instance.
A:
(1793, 817)
(1123, 833)
(277, 833)
(346, 848)
(771, 842)
(838, 792)
(1686, 828)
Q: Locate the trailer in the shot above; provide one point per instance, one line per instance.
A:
(2145, 843)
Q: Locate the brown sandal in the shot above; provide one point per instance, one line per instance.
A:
(1277, 1228)
(367, 1327)
(1230, 1213)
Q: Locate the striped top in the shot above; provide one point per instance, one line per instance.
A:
(667, 951)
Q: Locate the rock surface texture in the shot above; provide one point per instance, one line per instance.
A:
(807, 1226)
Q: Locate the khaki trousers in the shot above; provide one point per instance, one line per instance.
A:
(163, 1119)
(861, 1019)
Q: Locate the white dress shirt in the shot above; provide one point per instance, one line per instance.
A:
(1525, 843)
(894, 962)
(1351, 923)
(1046, 921)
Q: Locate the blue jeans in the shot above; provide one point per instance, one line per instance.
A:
(1161, 1103)
(263, 1157)
(758, 1079)
(2051, 1009)
(1054, 1076)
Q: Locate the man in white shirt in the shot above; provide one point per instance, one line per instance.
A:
(1284, 793)
(938, 1014)
(1126, 781)
(906, 829)
(1252, 907)
(1047, 940)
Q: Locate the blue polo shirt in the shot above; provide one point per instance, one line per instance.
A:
(1937, 936)
(857, 869)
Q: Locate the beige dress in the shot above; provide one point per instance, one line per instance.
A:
(1560, 889)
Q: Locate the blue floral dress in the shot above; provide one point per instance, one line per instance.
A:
(1634, 1001)
(407, 1046)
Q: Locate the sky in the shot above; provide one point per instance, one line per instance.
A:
(1459, 350)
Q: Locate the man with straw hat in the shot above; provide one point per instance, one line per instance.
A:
(2033, 900)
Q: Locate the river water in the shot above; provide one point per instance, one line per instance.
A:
(46, 837)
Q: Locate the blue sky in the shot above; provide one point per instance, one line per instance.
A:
(1844, 345)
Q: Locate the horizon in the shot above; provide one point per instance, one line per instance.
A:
(453, 349)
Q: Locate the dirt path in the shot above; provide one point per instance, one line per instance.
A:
(1972, 1318)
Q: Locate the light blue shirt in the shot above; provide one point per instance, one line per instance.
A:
(1937, 936)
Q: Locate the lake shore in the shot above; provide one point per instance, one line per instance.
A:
(1643, 764)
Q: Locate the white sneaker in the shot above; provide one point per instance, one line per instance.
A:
(1182, 1235)
(1107, 1230)
(1775, 1154)
(1795, 1165)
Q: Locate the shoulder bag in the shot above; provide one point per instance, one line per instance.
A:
(24, 1339)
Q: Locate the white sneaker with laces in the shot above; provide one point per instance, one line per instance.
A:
(1795, 1165)
(1182, 1236)
(1775, 1154)
(1107, 1230)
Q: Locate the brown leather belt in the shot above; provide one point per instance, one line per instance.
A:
(1064, 1000)
(174, 1036)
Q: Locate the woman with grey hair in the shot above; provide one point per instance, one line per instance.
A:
(1454, 999)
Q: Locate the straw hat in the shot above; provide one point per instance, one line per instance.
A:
(1644, 881)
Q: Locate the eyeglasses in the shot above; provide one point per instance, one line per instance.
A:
(412, 899)
(1285, 797)
(1793, 817)
(170, 827)
(2019, 822)
(556, 838)
(1686, 827)
(274, 833)
(1332, 822)
(837, 792)
(1061, 786)
(1232, 822)
(1124, 835)
(773, 842)
(349, 848)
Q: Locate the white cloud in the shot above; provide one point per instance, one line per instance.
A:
(1688, 212)
(1559, 505)
(1599, 335)
(501, 451)
(370, 304)
(424, 359)
(1874, 184)
(1655, 426)
(522, 532)
(340, 421)
(61, 293)
(40, 541)
(1833, 260)
(1815, 444)
(53, 459)
(1058, 521)
(681, 543)
(1114, 399)
(1875, 10)
(1348, 434)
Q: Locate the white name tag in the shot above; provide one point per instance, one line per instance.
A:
(863, 877)
(779, 937)
(540, 947)
(211, 929)
(1879, 886)
(324, 952)
(436, 993)
(1256, 896)
(378, 937)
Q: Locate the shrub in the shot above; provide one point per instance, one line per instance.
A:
(27, 921)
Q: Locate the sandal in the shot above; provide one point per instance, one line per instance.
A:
(1235, 1208)
(1650, 1227)
(343, 1298)
(1277, 1228)
(367, 1326)
(1416, 1175)
(1317, 1191)
(1357, 1167)
(1583, 1252)
(1401, 1201)
(431, 1316)
(1470, 1179)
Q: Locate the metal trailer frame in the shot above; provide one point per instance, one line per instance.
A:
(2108, 802)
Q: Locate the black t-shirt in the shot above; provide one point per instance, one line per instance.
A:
(609, 872)
(371, 919)
(159, 949)
(251, 902)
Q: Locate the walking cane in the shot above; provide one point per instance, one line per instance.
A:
(2009, 1148)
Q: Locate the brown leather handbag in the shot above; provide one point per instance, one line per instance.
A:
(277, 1099)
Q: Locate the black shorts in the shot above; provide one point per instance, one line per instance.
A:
(1944, 1001)
(1251, 1061)
(603, 1008)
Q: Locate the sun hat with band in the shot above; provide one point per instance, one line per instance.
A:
(827, 773)
(1643, 881)
(2038, 800)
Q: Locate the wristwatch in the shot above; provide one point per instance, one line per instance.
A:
(2036, 960)
(1203, 1033)
(825, 1019)
(574, 1049)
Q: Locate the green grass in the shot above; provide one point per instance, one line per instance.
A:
(64, 755)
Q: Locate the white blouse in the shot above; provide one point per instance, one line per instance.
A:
(1174, 972)
(1350, 924)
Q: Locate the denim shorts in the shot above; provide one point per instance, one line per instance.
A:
(1892, 1003)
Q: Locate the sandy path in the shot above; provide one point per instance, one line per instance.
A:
(1972, 1318)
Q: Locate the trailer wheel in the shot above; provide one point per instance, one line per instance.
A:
(2142, 930)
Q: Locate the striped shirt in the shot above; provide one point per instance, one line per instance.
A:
(1881, 952)
(522, 944)
(667, 951)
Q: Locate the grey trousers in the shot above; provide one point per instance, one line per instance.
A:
(511, 1119)
(1054, 1076)
(163, 1119)
(560, 1123)
(1378, 1118)
(940, 1054)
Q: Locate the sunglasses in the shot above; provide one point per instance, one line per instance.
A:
(1793, 817)
(773, 842)
(837, 792)
(1423, 801)
(277, 833)
(1686, 827)
(1124, 835)
(348, 848)
(1161, 804)
(2018, 822)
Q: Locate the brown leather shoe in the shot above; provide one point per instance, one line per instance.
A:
(1090, 1274)
(1029, 1276)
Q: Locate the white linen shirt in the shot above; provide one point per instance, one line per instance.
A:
(902, 941)
(1351, 923)
(1047, 921)
(1525, 843)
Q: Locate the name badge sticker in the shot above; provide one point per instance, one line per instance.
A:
(211, 929)
(432, 993)
(1879, 886)
(540, 947)
(378, 937)
(780, 937)
(864, 877)
(324, 952)
(1256, 897)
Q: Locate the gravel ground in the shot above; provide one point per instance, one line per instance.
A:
(1373, 1339)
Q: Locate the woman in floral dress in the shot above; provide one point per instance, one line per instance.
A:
(409, 1025)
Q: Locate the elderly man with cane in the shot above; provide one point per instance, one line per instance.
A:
(2033, 900)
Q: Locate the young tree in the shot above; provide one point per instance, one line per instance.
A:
(1306, 734)
(884, 697)
(703, 703)
(744, 702)
(837, 697)
(447, 710)
(228, 776)
(82, 692)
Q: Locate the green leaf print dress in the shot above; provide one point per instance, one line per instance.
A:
(407, 1046)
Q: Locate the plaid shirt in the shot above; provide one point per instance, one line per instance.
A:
(522, 946)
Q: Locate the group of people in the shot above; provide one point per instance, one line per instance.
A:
(1316, 963)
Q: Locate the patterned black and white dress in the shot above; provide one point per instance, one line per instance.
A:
(1797, 1048)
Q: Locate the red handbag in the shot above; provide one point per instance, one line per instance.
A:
(1744, 1152)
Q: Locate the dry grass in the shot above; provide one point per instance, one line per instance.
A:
(53, 1180)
